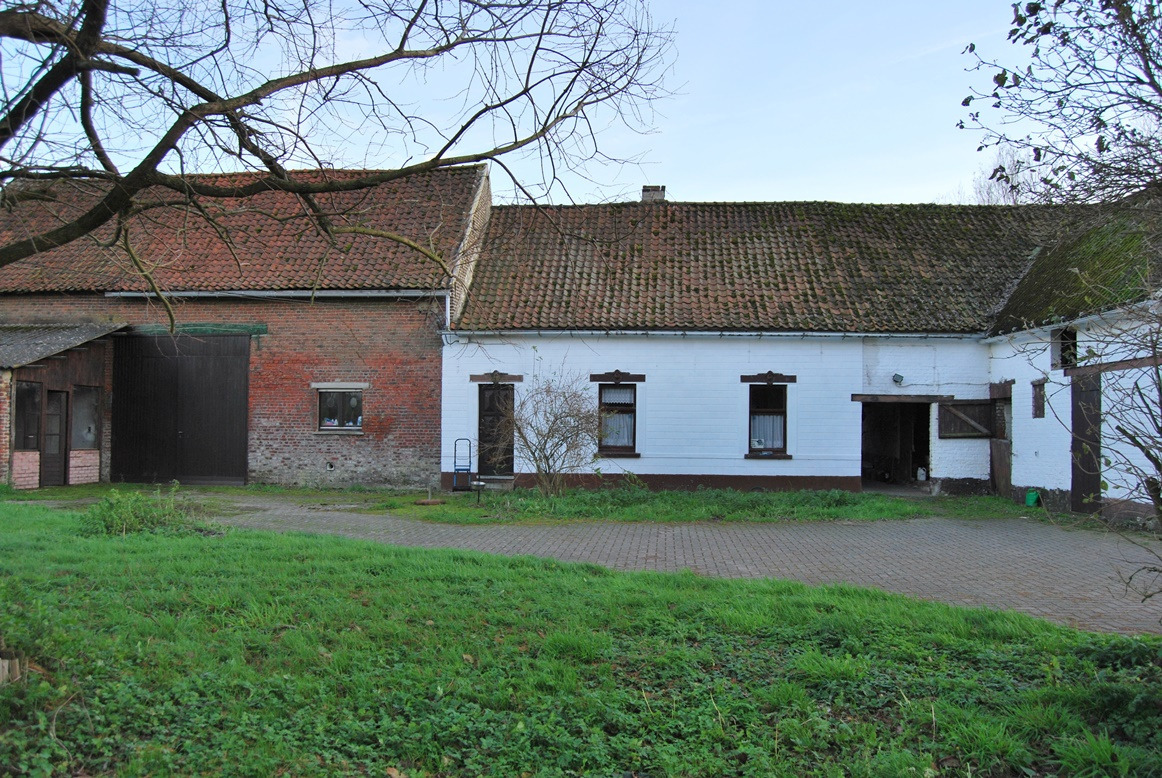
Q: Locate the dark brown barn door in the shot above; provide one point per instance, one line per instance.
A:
(53, 457)
(1086, 445)
(180, 408)
(496, 439)
(1001, 443)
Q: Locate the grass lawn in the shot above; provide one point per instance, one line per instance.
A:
(527, 506)
(249, 653)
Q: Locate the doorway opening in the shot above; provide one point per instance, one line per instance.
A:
(896, 447)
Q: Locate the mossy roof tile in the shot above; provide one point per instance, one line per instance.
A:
(749, 266)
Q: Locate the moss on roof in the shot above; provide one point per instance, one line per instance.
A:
(750, 267)
(1095, 267)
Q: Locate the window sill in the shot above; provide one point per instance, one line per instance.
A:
(771, 455)
(340, 431)
(618, 455)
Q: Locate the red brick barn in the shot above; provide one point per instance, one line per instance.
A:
(293, 358)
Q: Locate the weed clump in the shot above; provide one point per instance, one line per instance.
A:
(122, 513)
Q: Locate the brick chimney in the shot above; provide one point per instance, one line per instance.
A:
(653, 194)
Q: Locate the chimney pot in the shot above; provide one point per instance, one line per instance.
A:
(653, 194)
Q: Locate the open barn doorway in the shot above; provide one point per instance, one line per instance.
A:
(896, 448)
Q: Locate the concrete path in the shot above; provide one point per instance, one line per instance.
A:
(1070, 576)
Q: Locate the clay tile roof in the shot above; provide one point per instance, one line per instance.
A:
(820, 267)
(276, 246)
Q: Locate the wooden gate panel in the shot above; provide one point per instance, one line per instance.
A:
(213, 422)
(180, 408)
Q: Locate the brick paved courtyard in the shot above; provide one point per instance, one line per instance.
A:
(1066, 575)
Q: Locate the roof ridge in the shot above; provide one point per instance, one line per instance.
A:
(666, 203)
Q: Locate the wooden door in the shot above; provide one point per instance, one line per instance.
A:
(496, 434)
(1001, 466)
(54, 454)
(180, 408)
(1001, 447)
(1085, 492)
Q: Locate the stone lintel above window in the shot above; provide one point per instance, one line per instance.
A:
(340, 386)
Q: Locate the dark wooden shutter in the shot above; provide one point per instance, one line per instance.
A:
(967, 419)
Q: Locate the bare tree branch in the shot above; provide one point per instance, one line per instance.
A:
(137, 95)
(1081, 100)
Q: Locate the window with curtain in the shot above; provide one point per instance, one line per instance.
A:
(618, 403)
(340, 410)
(768, 419)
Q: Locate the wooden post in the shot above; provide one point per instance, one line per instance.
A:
(13, 666)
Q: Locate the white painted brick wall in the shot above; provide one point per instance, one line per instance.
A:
(693, 410)
(1110, 342)
(935, 366)
(1041, 457)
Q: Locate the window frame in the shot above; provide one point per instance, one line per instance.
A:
(780, 409)
(75, 417)
(1063, 349)
(618, 378)
(1039, 398)
(611, 409)
(21, 418)
(357, 389)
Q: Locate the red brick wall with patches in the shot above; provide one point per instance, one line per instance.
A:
(392, 345)
(5, 424)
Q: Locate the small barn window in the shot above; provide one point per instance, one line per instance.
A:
(26, 426)
(618, 404)
(1039, 399)
(1063, 350)
(340, 409)
(85, 419)
(966, 419)
(340, 406)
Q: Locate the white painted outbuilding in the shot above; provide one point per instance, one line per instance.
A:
(793, 345)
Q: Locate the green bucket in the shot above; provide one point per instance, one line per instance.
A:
(1032, 499)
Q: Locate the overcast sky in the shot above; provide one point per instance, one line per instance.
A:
(853, 101)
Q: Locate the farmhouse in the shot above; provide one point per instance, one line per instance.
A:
(753, 345)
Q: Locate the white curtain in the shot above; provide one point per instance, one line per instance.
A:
(617, 429)
(617, 395)
(767, 427)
